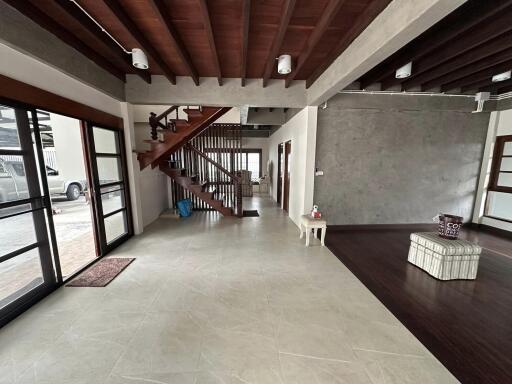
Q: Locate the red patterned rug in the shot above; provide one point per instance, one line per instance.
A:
(101, 273)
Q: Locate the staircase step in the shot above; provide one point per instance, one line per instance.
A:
(180, 123)
(154, 141)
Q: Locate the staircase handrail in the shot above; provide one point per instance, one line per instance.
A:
(235, 178)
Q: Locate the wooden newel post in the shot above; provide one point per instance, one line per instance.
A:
(239, 211)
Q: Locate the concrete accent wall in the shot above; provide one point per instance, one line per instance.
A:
(391, 159)
(21, 33)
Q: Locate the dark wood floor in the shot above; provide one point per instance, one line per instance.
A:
(467, 325)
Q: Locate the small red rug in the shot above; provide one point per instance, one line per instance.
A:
(101, 273)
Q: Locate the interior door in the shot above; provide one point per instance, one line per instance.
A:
(286, 183)
(109, 187)
(279, 173)
(26, 267)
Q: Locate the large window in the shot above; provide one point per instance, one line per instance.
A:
(499, 198)
(251, 161)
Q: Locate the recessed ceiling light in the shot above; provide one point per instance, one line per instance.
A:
(404, 71)
(502, 76)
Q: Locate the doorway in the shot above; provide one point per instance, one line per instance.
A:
(280, 155)
(286, 174)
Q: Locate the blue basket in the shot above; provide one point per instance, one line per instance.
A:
(184, 207)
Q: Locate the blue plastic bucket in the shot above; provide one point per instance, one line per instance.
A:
(184, 207)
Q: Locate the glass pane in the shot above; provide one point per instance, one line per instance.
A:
(12, 210)
(19, 275)
(109, 169)
(112, 199)
(13, 182)
(105, 141)
(115, 226)
(506, 164)
(507, 149)
(8, 129)
(253, 165)
(500, 205)
(17, 232)
(505, 180)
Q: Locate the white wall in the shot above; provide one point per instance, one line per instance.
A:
(301, 130)
(500, 124)
(68, 147)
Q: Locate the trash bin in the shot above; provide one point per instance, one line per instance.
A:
(449, 226)
(184, 207)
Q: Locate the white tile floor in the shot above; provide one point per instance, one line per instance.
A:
(214, 300)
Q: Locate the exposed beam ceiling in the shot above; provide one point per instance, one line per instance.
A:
(370, 12)
(211, 38)
(73, 11)
(468, 16)
(328, 15)
(132, 28)
(482, 75)
(246, 17)
(63, 34)
(163, 17)
(287, 11)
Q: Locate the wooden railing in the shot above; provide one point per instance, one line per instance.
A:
(214, 156)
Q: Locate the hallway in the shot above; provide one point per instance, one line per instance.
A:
(217, 300)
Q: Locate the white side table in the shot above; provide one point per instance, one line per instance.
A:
(307, 223)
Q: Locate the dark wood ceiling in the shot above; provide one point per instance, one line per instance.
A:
(215, 38)
(461, 53)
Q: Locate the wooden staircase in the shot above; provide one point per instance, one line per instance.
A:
(190, 168)
(176, 132)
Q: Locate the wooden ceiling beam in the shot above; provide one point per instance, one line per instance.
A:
(73, 11)
(463, 44)
(447, 30)
(328, 15)
(211, 39)
(67, 37)
(481, 52)
(132, 29)
(163, 17)
(476, 85)
(504, 89)
(246, 17)
(359, 25)
(488, 62)
(286, 12)
(496, 87)
(477, 76)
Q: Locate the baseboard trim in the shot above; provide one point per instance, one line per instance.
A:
(373, 227)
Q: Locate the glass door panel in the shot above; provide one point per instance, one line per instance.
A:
(110, 186)
(26, 266)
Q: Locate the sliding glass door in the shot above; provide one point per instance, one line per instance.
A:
(26, 267)
(110, 187)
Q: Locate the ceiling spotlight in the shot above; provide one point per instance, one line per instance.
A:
(502, 76)
(139, 59)
(284, 64)
(405, 71)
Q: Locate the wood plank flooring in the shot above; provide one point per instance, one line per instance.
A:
(467, 325)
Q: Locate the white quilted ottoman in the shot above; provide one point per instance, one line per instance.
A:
(444, 259)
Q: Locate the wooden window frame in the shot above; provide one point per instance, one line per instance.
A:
(497, 159)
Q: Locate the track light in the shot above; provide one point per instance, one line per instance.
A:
(502, 76)
(405, 71)
(139, 59)
(284, 64)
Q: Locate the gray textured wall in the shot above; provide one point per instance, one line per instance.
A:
(21, 33)
(391, 159)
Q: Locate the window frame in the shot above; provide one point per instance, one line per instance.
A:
(498, 157)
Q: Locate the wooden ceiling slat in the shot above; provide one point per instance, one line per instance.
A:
(456, 24)
(329, 13)
(488, 62)
(477, 76)
(364, 19)
(211, 38)
(72, 10)
(472, 56)
(286, 13)
(497, 87)
(246, 16)
(63, 34)
(163, 17)
(132, 28)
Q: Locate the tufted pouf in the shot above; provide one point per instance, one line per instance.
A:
(444, 259)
